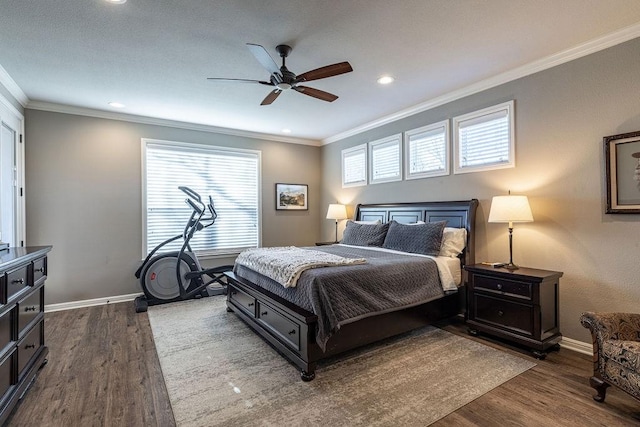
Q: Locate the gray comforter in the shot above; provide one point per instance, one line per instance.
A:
(344, 294)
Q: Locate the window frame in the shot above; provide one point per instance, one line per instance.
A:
(444, 124)
(352, 152)
(212, 253)
(393, 139)
(509, 107)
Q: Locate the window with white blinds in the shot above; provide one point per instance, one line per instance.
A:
(230, 176)
(484, 139)
(426, 151)
(385, 163)
(354, 166)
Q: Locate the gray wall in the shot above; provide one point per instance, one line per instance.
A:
(83, 196)
(562, 114)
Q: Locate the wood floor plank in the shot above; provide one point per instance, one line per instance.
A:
(103, 370)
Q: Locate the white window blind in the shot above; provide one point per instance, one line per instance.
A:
(385, 163)
(229, 176)
(354, 166)
(485, 139)
(427, 151)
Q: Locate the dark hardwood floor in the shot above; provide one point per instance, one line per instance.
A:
(103, 371)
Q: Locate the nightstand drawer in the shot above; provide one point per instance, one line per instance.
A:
(504, 286)
(509, 315)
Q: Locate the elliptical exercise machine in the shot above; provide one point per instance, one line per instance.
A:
(177, 275)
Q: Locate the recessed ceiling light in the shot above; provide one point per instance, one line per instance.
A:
(117, 1)
(286, 130)
(116, 105)
(385, 80)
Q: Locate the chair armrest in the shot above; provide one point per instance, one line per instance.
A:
(615, 326)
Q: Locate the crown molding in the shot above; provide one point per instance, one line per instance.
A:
(80, 111)
(628, 33)
(12, 87)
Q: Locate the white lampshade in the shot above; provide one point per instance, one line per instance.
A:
(337, 211)
(510, 209)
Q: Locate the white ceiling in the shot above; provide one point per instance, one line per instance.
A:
(154, 55)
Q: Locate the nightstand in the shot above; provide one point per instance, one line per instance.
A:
(325, 243)
(520, 306)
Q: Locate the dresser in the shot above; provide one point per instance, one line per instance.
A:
(23, 272)
(520, 306)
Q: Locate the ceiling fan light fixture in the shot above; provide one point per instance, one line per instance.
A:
(385, 80)
(283, 86)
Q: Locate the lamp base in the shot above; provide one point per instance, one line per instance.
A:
(510, 266)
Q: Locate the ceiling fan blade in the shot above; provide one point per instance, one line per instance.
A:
(240, 80)
(316, 93)
(263, 57)
(271, 97)
(324, 72)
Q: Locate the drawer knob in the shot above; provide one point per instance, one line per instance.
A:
(292, 332)
(32, 308)
(500, 313)
(499, 286)
(18, 281)
(250, 304)
(28, 346)
(264, 313)
(39, 270)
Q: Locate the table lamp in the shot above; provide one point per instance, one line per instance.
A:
(336, 212)
(510, 209)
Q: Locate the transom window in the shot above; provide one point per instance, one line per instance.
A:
(484, 139)
(426, 151)
(385, 159)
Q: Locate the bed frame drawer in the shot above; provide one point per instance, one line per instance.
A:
(513, 288)
(284, 328)
(242, 300)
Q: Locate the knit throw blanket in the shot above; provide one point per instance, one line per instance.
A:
(286, 264)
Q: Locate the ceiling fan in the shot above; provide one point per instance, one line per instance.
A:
(283, 79)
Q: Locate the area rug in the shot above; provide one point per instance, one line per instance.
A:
(218, 372)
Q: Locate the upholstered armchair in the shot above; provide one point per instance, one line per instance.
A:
(616, 352)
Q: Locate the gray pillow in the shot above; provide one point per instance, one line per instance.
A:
(364, 234)
(422, 239)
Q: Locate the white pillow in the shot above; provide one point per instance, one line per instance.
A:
(453, 242)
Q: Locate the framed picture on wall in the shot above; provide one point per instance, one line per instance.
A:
(622, 161)
(292, 197)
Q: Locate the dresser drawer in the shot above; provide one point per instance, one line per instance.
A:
(245, 301)
(284, 328)
(29, 346)
(6, 374)
(509, 315)
(39, 270)
(514, 288)
(28, 309)
(17, 280)
(6, 337)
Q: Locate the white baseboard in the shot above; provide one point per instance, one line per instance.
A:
(575, 345)
(89, 302)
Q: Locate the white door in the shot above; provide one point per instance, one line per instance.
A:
(11, 177)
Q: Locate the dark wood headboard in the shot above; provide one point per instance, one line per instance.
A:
(458, 214)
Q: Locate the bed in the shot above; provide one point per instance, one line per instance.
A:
(304, 331)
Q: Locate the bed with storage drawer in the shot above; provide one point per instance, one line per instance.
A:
(397, 268)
